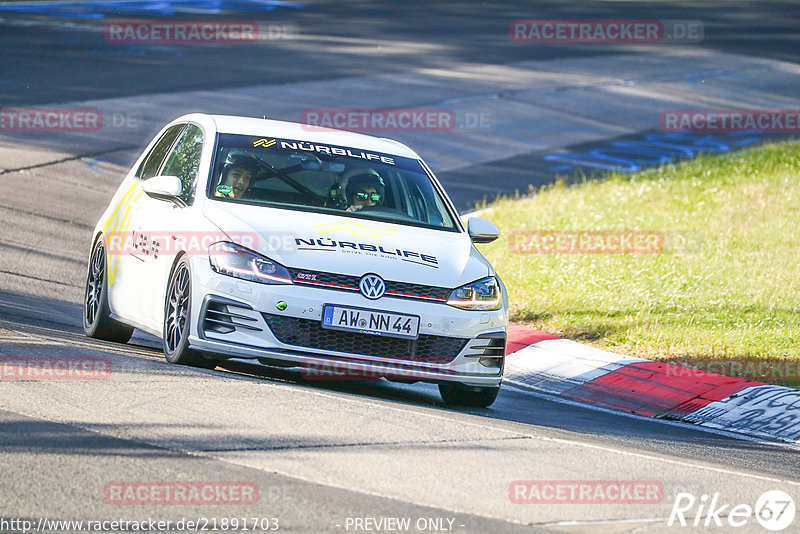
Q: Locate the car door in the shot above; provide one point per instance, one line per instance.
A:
(124, 245)
(164, 226)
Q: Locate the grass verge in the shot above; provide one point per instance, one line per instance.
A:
(719, 277)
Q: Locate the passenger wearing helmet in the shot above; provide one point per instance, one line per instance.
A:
(237, 175)
(365, 189)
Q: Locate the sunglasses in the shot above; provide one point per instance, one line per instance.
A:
(364, 196)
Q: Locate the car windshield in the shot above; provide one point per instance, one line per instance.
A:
(346, 181)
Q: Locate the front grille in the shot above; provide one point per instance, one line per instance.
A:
(346, 282)
(349, 282)
(418, 290)
(310, 334)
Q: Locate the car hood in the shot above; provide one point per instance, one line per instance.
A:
(347, 245)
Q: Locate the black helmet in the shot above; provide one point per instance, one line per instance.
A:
(363, 179)
(240, 159)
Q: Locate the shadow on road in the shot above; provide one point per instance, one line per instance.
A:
(61, 320)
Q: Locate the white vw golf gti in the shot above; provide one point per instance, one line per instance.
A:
(296, 246)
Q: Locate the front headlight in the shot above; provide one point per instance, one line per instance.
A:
(481, 295)
(232, 260)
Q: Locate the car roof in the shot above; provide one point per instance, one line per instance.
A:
(293, 130)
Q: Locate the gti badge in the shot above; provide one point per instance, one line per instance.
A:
(372, 286)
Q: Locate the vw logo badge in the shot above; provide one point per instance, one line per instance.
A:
(372, 286)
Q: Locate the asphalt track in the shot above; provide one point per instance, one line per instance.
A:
(321, 453)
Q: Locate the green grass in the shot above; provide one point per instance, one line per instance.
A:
(733, 296)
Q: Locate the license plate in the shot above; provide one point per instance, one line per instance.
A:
(372, 322)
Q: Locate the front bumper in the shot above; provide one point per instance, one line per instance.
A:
(237, 319)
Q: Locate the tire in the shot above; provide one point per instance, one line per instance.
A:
(177, 317)
(97, 321)
(460, 395)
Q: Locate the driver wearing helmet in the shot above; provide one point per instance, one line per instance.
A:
(237, 175)
(365, 189)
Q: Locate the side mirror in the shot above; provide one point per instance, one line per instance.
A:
(481, 230)
(164, 188)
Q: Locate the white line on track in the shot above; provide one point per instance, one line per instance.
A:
(603, 522)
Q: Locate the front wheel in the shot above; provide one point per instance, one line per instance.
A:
(97, 321)
(461, 395)
(177, 317)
